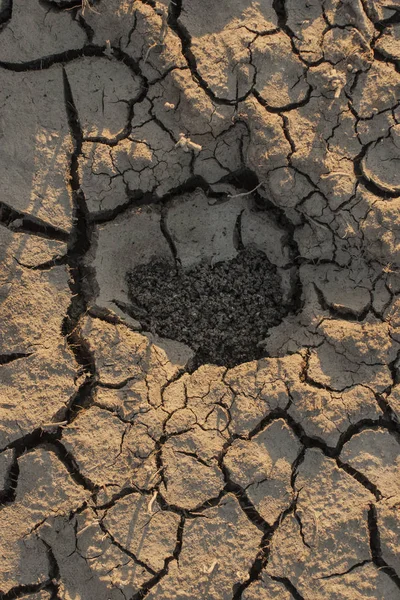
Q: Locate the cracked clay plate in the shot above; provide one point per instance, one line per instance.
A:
(199, 300)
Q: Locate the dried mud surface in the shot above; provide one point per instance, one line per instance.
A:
(188, 132)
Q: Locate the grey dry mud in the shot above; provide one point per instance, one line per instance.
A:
(194, 133)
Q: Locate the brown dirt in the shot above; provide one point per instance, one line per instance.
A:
(211, 137)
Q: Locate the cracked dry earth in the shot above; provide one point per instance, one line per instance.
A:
(191, 133)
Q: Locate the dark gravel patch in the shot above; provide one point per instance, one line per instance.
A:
(221, 312)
